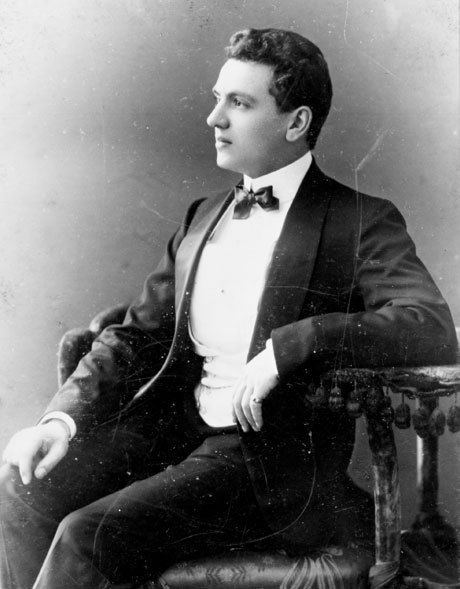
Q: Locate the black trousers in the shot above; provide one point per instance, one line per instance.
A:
(124, 505)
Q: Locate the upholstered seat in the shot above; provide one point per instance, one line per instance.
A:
(333, 567)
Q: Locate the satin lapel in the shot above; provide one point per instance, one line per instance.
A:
(293, 259)
(192, 246)
(187, 258)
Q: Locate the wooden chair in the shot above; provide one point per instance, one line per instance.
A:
(369, 393)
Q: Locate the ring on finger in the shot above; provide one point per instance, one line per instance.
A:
(256, 400)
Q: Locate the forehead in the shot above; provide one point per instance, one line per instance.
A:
(244, 76)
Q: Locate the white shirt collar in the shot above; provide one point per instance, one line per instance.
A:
(285, 181)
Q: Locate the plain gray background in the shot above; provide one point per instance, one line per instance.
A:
(103, 144)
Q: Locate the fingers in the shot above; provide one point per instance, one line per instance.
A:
(28, 445)
(22, 455)
(25, 466)
(256, 408)
(247, 407)
(259, 378)
(56, 452)
(237, 405)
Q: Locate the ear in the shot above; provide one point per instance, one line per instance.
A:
(299, 123)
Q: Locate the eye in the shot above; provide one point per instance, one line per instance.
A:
(238, 103)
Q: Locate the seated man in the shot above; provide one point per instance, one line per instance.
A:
(185, 430)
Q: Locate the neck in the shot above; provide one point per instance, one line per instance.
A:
(280, 162)
(284, 181)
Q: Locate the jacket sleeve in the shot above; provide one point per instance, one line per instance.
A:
(124, 356)
(405, 321)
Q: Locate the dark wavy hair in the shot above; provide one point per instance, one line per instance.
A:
(300, 72)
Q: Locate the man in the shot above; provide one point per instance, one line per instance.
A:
(185, 429)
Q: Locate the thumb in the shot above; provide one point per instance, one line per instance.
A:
(57, 451)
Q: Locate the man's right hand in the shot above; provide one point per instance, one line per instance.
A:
(37, 449)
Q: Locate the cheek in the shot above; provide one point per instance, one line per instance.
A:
(266, 138)
(261, 135)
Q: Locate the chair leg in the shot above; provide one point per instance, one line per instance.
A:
(430, 547)
(385, 572)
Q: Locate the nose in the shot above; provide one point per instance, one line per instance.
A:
(217, 117)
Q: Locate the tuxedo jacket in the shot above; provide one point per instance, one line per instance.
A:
(344, 288)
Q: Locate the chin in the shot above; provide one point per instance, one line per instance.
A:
(227, 163)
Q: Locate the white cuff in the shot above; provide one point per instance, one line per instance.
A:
(70, 423)
(270, 357)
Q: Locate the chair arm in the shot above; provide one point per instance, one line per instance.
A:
(110, 316)
(76, 343)
(367, 391)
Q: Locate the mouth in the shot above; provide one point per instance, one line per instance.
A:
(221, 142)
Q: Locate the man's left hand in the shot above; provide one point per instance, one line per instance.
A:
(259, 378)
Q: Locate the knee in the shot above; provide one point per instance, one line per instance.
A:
(74, 531)
(14, 494)
(13, 508)
(83, 538)
(8, 478)
(83, 532)
(9, 486)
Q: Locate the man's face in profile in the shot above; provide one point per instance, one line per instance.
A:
(250, 131)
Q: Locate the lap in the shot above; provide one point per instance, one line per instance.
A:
(118, 464)
(195, 489)
(198, 506)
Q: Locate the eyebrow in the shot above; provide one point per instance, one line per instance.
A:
(235, 93)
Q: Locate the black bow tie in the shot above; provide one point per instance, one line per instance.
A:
(246, 198)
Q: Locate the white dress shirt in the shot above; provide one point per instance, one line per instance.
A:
(229, 282)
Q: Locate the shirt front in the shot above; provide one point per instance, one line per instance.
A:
(228, 285)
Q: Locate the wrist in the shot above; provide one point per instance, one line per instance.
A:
(55, 424)
(61, 416)
(270, 360)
